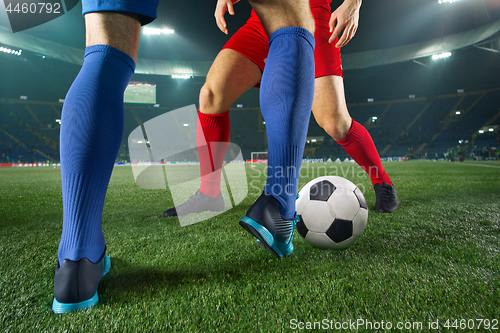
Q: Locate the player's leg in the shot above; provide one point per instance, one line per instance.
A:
(286, 95)
(330, 112)
(229, 77)
(278, 14)
(91, 133)
(117, 30)
(329, 106)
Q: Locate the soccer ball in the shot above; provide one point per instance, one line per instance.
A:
(332, 211)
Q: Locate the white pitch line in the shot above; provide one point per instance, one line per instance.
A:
(482, 165)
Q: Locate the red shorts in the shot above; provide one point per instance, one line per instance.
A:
(251, 41)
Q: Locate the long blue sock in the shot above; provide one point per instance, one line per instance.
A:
(91, 134)
(286, 96)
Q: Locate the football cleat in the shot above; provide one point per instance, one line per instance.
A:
(387, 198)
(198, 203)
(76, 282)
(264, 221)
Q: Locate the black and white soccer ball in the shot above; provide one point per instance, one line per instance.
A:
(332, 211)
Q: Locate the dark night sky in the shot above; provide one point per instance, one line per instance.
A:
(383, 23)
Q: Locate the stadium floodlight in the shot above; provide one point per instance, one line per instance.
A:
(181, 76)
(374, 119)
(313, 140)
(186, 125)
(441, 55)
(481, 131)
(446, 1)
(491, 129)
(457, 112)
(10, 51)
(58, 121)
(157, 31)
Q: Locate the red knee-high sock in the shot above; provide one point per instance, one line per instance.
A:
(212, 138)
(359, 145)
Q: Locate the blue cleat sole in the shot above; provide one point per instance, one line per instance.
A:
(59, 308)
(264, 237)
(66, 307)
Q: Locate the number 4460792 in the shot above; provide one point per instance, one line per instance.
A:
(34, 8)
(472, 324)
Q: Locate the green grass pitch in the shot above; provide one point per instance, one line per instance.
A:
(436, 258)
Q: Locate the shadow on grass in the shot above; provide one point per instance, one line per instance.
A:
(127, 280)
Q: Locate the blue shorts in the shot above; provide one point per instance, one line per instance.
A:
(146, 9)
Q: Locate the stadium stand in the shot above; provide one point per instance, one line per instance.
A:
(415, 127)
(29, 132)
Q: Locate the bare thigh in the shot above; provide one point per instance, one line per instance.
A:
(119, 30)
(229, 77)
(277, 14)
(329, 106)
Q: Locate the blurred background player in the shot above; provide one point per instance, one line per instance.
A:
(239, 66)
(91, 133)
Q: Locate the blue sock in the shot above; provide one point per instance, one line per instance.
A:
(286, 96)
(91, 134)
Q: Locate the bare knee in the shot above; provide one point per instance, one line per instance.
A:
(210, 100)
(337, 129)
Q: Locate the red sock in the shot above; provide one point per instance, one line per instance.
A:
(212, 137)
(359, 145)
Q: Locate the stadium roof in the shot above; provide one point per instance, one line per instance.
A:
(358, 60)
(420, 50)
